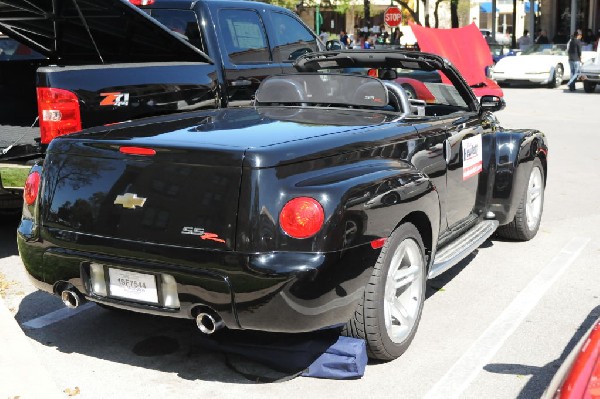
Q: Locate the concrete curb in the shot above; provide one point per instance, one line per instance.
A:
(21, 371)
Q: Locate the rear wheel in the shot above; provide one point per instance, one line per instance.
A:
(557, 77)
(589, 87)
(389, 313)
(526, 223)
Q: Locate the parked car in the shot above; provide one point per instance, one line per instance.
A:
(579, 375)
(541, 64)
(501, 38)
(328, 203)
(499, 51)
(472, 64)
(590, 73)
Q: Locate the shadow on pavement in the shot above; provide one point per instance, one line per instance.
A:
(170, 345)
(437, 284)
(8, 235)
(541, 376)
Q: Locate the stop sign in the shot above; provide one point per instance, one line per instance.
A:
(392, 16)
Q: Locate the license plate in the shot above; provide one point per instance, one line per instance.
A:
(132, 285)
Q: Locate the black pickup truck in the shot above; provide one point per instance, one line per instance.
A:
(93, 63)
(326, 204)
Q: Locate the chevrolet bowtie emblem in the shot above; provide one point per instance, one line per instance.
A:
(130, 201)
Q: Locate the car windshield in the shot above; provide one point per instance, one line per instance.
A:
(497, 49)
(546, 49)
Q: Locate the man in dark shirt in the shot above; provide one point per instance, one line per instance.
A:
(574, 51)
(344, 39)
(542, 38)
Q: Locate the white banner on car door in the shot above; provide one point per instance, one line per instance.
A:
(472, 156)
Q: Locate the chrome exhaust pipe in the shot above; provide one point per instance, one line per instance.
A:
(208, 323)
(71, 299)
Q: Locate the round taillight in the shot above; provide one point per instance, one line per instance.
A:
(32, 185)
(302, 217)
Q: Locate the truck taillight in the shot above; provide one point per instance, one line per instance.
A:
(58, 111)
(32, 187)
(302, 217)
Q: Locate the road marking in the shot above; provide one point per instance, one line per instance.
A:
(464, 371)
(56, 316)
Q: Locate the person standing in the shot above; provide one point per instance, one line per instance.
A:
(525, 40)
(344, 39)
(574, 51)
(542, 38)
(397, 36)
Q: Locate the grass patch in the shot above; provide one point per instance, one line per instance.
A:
(14, 176)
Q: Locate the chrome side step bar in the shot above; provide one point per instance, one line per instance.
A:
(457, 250)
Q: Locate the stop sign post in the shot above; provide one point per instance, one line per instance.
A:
(392, 16)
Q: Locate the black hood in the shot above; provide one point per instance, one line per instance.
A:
(97, 31)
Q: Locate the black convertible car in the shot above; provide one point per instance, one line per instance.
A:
(328, 203)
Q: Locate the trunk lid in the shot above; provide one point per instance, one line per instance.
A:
(181, 196)
(93, 31)
(187, 193)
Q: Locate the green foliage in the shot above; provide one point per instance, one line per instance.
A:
(289, 4)
(13, 176)
(340, 6)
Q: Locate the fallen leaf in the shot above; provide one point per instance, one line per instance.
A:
(72, 392)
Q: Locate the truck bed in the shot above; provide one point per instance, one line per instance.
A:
(18, 143)
(18, 109)
(21, 135)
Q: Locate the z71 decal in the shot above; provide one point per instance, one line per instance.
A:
(116, 99)
(472, 156)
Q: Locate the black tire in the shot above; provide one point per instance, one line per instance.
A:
(557, 77)
(410, 91)
(402, 257)
(525, 225)
(589, 87)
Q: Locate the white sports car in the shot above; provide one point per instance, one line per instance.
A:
(544, 64)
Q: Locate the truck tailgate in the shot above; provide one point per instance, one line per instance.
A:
(120, 92)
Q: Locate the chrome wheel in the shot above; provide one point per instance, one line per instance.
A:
(403, 290)
(557, 78)
(535, 198)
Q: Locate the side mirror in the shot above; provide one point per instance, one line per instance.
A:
(333, 45)
(492, 103)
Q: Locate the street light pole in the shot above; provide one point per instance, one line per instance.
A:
(318, 19)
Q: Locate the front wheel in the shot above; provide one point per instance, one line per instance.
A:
(390, 310)
(526, 223)
(557, 77)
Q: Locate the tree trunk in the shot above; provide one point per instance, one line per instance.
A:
(435, 13)
(454, 13)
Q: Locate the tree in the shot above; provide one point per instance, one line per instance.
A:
(454, 13)
(406, 7)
